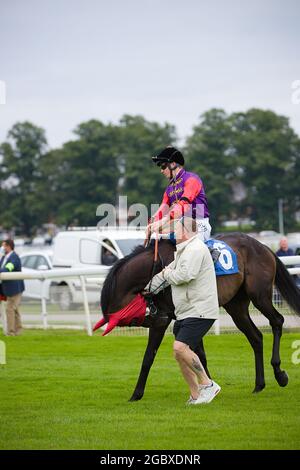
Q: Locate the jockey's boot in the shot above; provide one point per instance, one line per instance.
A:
(215, 253)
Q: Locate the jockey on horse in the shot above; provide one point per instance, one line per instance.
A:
(184, 196)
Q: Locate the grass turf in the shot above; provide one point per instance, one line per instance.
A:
(64, 390)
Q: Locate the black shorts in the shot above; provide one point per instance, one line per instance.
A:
(191, 330)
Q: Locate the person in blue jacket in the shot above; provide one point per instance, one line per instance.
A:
(284, 249)
(11, 290)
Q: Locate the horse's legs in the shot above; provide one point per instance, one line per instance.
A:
(155, 338)
(202, 356)
(238, 309)
(276, 320)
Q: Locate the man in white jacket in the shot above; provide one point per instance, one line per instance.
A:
(195, 297)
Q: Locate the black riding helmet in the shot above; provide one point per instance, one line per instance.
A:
(169, 155)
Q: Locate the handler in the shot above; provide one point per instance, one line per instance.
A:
(195, 297)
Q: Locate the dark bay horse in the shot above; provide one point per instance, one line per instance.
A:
(259, 269)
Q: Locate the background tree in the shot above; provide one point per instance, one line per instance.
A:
(267, 151)
(209, 153)
(20, 173)
(247, 162)
(82, 174)
(139, 141)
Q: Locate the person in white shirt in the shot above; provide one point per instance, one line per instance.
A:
(194, 292)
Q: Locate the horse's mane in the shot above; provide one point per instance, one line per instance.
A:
(110, 280)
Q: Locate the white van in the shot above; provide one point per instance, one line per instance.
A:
(86, 247)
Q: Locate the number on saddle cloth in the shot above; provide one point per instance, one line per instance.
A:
(227, 261)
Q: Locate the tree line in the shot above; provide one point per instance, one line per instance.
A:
(247, 162)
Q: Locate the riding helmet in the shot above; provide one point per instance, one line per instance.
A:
(169, 155)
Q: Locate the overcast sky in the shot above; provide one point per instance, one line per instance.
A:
(65, 62)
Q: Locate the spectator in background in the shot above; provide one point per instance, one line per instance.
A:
(284, 249)
(12, 290)
(108, 258)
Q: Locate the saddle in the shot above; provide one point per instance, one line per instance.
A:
(214, 252)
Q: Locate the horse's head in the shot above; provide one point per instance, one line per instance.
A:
(132, 314)
(121, 300)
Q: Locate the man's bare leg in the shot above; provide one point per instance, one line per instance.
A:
(191, 368)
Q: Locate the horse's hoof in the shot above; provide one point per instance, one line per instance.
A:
(259, 388)
(136, 397)
(282, 378)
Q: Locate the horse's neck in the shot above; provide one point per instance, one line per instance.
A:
(166, 252)
(143, 267)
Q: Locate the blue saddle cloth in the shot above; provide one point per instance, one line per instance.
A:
(227, 262)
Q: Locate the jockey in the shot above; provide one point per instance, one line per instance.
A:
(184, 196)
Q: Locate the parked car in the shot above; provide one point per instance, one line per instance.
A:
(31, 262)
(269, 238)
(64, 292)
(295, 247)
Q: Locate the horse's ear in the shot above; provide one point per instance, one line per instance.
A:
(99, 323)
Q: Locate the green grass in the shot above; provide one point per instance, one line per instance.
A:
(64, 390)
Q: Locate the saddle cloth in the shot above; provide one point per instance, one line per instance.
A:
(227, 261)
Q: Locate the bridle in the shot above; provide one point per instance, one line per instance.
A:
(149, 298)
(155, 264)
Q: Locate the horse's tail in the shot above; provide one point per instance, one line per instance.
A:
(287, 286)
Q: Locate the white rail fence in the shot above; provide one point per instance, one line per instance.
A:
(85, 276)
(93, 278)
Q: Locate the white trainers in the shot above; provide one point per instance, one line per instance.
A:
(206, 394)
(191, 401)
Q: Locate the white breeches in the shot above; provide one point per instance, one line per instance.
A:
(204, 229)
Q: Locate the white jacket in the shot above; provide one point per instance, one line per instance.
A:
(193, 281)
